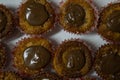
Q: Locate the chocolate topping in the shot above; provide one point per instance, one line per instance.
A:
(74, 59)
(3, 21)
(36, 13)
(75, 15)
(111, 64)
(113, 21)
(36, 57)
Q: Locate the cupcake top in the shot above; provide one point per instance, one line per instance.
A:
(6, 21)
(2, 56)
(77, 16)
(32, 55)
(36, 57)
(36, 16)
(46, 76)
(107, 62)
(9, 76)
(109, 22)
(72, 59)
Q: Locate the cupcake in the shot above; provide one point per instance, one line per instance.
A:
(77, 16)
(10, 76)
(107, 63)
(36, 16)
(6, 21)
(46, 76)
(32, 55)
(72, 59)
(2, 56)
(109, 23)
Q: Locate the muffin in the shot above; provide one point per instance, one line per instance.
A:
(9, 76)
(6, 21)
(107, 62)
(46, 76)
(109, 23)
(2, 56)
(72, 59)
(77, 16)
(32, 55)
(36, 16)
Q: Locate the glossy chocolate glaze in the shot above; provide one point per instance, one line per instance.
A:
(75, 15)
(36, 57)
(113, 21)
(111, 64)
(3, 21)
(74, 59)
(36, 13)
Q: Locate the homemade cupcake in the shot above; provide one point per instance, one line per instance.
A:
(46, 76)
(32, 55)
(77, 16)
(10, 76)
(6, 21)
(72, 59)
(109, 23)
(36, 16)
(2, 56)
(107, 63)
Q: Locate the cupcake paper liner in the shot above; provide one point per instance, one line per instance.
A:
(103, 37)
(82, 42)
(93, 27)
(44, 32)
(31, 41)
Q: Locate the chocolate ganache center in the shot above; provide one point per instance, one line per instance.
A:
(111, 64)
(3, 21)
(36, 57)
(75, 15)
(113, 21)
(74, 59)
(36, 13)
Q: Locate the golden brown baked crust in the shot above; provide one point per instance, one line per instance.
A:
(89, 17)
(10, 24)
(46, 75)
(9, 76)
(102, 27)
(60, 60)
(19, 51)
(3, 57)
(29, 29)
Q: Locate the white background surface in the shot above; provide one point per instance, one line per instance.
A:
(57, 35)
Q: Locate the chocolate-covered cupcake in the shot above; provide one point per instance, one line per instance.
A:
(77, 16)
(36, 16)
(72, 59)
(2, 56)
(109, 23)
(107, 63)
(10, 76)
(46, 76)
(6, 21)
(32, 55)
